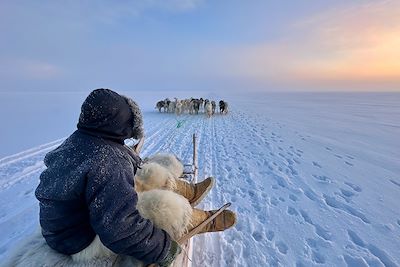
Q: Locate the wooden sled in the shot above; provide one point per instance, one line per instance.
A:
(190, 174)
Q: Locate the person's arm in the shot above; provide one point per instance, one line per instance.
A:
(112, 200)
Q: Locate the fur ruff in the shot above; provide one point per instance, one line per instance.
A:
(138, 131)
(166, 209)
(169, 161)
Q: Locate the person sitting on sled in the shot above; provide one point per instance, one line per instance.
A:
(88, 187)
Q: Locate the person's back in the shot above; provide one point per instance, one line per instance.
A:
(88, 186)
(64, 193)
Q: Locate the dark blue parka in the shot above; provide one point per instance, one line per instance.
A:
(88, 187)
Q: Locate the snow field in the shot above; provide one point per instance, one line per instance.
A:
(314, 180)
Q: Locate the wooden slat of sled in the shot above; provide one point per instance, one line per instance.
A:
(139, 145)
(184, 259)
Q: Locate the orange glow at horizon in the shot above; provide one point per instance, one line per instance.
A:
(380, 61)
(361, 44)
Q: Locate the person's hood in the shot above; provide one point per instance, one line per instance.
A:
(108, 115)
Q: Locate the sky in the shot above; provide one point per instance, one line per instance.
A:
(199, 45)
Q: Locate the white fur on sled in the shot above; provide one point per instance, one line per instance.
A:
(96, 249)
(152, 175)
(169, 161)
(35, 252)
(166, 209)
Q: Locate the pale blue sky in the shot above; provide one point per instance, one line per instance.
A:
(227, 45)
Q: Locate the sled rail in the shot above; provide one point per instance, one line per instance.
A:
(186, 243)
(184, 259)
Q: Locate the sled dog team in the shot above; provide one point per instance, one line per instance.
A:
(192, 106)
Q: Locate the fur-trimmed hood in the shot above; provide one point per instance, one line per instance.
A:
(109, 115)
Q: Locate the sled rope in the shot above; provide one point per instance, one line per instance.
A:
(179, 123)
(187, 254)
(173, 133)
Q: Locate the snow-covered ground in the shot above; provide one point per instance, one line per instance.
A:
(314, 179)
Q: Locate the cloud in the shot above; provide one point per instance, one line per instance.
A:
(82, 13)
(30, 70)
(174, 5)
(358, 44)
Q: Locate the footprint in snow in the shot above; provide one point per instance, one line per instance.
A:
(270, 168)
(346, 193)
(349, 163)
(353, 186)
(354, 261)
(310, 194)
(394, 182)
(274, 201)
(381, 254)
(258, 236)
(316, 255)
(293, 197)
(282, 247)
(296, 160)
(270, 235)
(334, 203)
(316, 164)
(292, 211)
(322, 178)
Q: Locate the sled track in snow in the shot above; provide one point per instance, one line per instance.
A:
(30, 152)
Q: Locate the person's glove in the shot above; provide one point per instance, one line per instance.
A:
(174, 251)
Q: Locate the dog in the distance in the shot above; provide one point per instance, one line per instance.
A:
(223, 107)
